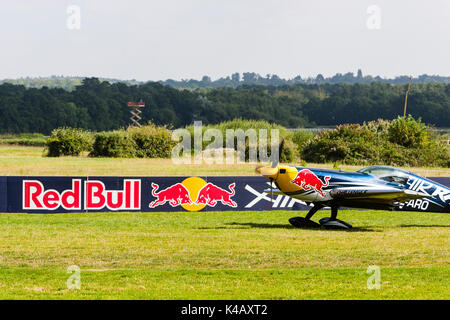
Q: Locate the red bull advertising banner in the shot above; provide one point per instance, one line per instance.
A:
(147, 194)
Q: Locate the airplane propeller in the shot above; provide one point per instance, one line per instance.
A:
(271, 194)
(271, 171)
(280, 150)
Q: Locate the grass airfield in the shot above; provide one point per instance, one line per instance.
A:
(213, 255)
(223, 255)
(29, 161)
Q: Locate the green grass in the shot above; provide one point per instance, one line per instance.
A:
(223, 255)
(30, 161)
(23, 139)
(212, 255)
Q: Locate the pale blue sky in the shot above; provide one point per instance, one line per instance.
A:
(157, 40)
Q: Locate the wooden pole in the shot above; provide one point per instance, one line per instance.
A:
(406, 97)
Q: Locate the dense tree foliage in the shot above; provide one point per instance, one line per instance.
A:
(359, 102)
(99, 106)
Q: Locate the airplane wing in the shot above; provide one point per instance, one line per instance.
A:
(376, 193)
(354, 193)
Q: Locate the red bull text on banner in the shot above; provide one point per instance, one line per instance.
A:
(96, 196)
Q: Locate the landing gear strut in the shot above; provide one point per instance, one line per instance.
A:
(332, 222)
(329, 223)
(306, 222)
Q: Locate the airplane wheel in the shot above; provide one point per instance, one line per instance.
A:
(300, 222)
(334, 224)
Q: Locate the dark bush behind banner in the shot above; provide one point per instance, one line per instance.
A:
(94, 194)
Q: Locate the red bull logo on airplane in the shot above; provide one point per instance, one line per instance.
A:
(193, 194)
(306, 179)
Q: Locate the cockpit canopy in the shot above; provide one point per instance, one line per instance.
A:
(387, 173)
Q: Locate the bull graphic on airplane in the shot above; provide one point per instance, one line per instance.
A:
(373, 187)
(306, 180)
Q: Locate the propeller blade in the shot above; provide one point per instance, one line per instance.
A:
(271, 194)
(280, 150)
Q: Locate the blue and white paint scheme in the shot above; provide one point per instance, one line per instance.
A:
(373, 187)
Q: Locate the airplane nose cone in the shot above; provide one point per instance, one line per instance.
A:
(267, 171)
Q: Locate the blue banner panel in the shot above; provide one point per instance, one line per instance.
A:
(445, 181)
(212, 194)
(97, 194)
(3, 194)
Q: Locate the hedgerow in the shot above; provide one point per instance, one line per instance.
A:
(114, 144)
(148, 141)
(68, 142)
(401, 142)
(226, 128)
(152, 141)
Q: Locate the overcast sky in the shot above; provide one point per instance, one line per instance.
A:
(157, 40)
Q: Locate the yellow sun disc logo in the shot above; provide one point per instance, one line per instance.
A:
(193, 184)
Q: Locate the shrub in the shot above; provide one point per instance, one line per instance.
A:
(244, 125)
(408, 132)
(68, 142)
(148, 141)
(289, 153)
(152, 141)
(401, 142)
(115, 144)
(300, 137)
(380, 127)
(350, 143)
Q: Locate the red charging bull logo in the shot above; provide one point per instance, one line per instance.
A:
(175, 195)
(96, 197)
(193, 194)
(210, 194)
(306, 179)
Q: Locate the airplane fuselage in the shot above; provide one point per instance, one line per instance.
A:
(348, 189)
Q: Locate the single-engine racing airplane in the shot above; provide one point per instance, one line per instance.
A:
(374, 187)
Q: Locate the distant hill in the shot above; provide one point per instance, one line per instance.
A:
(67, 83)
(235, 80)
(251, 78)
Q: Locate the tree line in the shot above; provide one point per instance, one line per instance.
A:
(252, 78)
(100, 105)
(234, 80)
